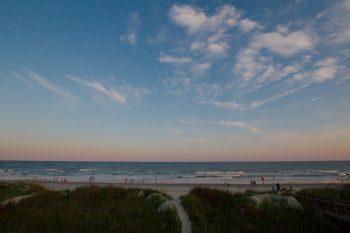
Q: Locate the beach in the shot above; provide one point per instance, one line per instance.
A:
(177, 190)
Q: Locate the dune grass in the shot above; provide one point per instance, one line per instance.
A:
(342, 192)
(10, 190)
(91, 209)
(221, 211)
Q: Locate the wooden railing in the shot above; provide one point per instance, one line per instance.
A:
(336, 208)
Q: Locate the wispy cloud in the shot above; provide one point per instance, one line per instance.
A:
(324, 70)
(247, 25)
(164, 58)
(231, 105)
(45, 83)
(120, 93)
(98, 87)
(337, 26)
(240, 124)
(281, 42)
(159, 37)
(258, 103)
(194, 140)
(209, 39)
(133, 25)
(175, 131)
(201, 68)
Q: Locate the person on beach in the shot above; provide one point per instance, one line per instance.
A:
(278, 187)
(262, 179)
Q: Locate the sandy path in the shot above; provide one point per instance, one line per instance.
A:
(185, 221)
(16, 199)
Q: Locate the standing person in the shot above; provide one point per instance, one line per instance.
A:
(262, 179)
(278, 187)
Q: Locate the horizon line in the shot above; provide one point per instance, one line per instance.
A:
(155, 161)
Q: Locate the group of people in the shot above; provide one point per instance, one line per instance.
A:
(253, 182)
(56, 179)
(277, 187)
(92, 180)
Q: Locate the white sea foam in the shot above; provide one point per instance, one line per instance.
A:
(341, 174)
(7, 170)
(87, 170)
(231, 173)
(53, 170)
(329, 171)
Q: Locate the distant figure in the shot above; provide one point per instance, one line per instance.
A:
(273, 187)
(251, 182)
(65, 180)
(262, 179)
(254, 182)
(278, 187)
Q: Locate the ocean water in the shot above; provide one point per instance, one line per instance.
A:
(175, 172)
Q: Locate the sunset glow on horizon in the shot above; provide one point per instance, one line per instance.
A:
(170, 81)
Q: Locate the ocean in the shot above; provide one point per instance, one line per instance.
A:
(175, 172)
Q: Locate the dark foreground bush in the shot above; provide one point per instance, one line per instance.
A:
(90, 209)
(220, 211)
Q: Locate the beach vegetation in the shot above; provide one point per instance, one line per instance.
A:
(213, 210)
(91, 210)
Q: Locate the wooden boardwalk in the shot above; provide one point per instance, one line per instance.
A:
(335, 208)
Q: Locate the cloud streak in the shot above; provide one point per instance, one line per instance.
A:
(240, 124)
(45, 83)
(98, 87)
(133, 25)
(174, 60)
(230, 105)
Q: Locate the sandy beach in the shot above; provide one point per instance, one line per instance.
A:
(177, 190)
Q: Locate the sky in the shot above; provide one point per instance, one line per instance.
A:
(175, 80)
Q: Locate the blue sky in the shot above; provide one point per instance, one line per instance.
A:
(175, 81)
